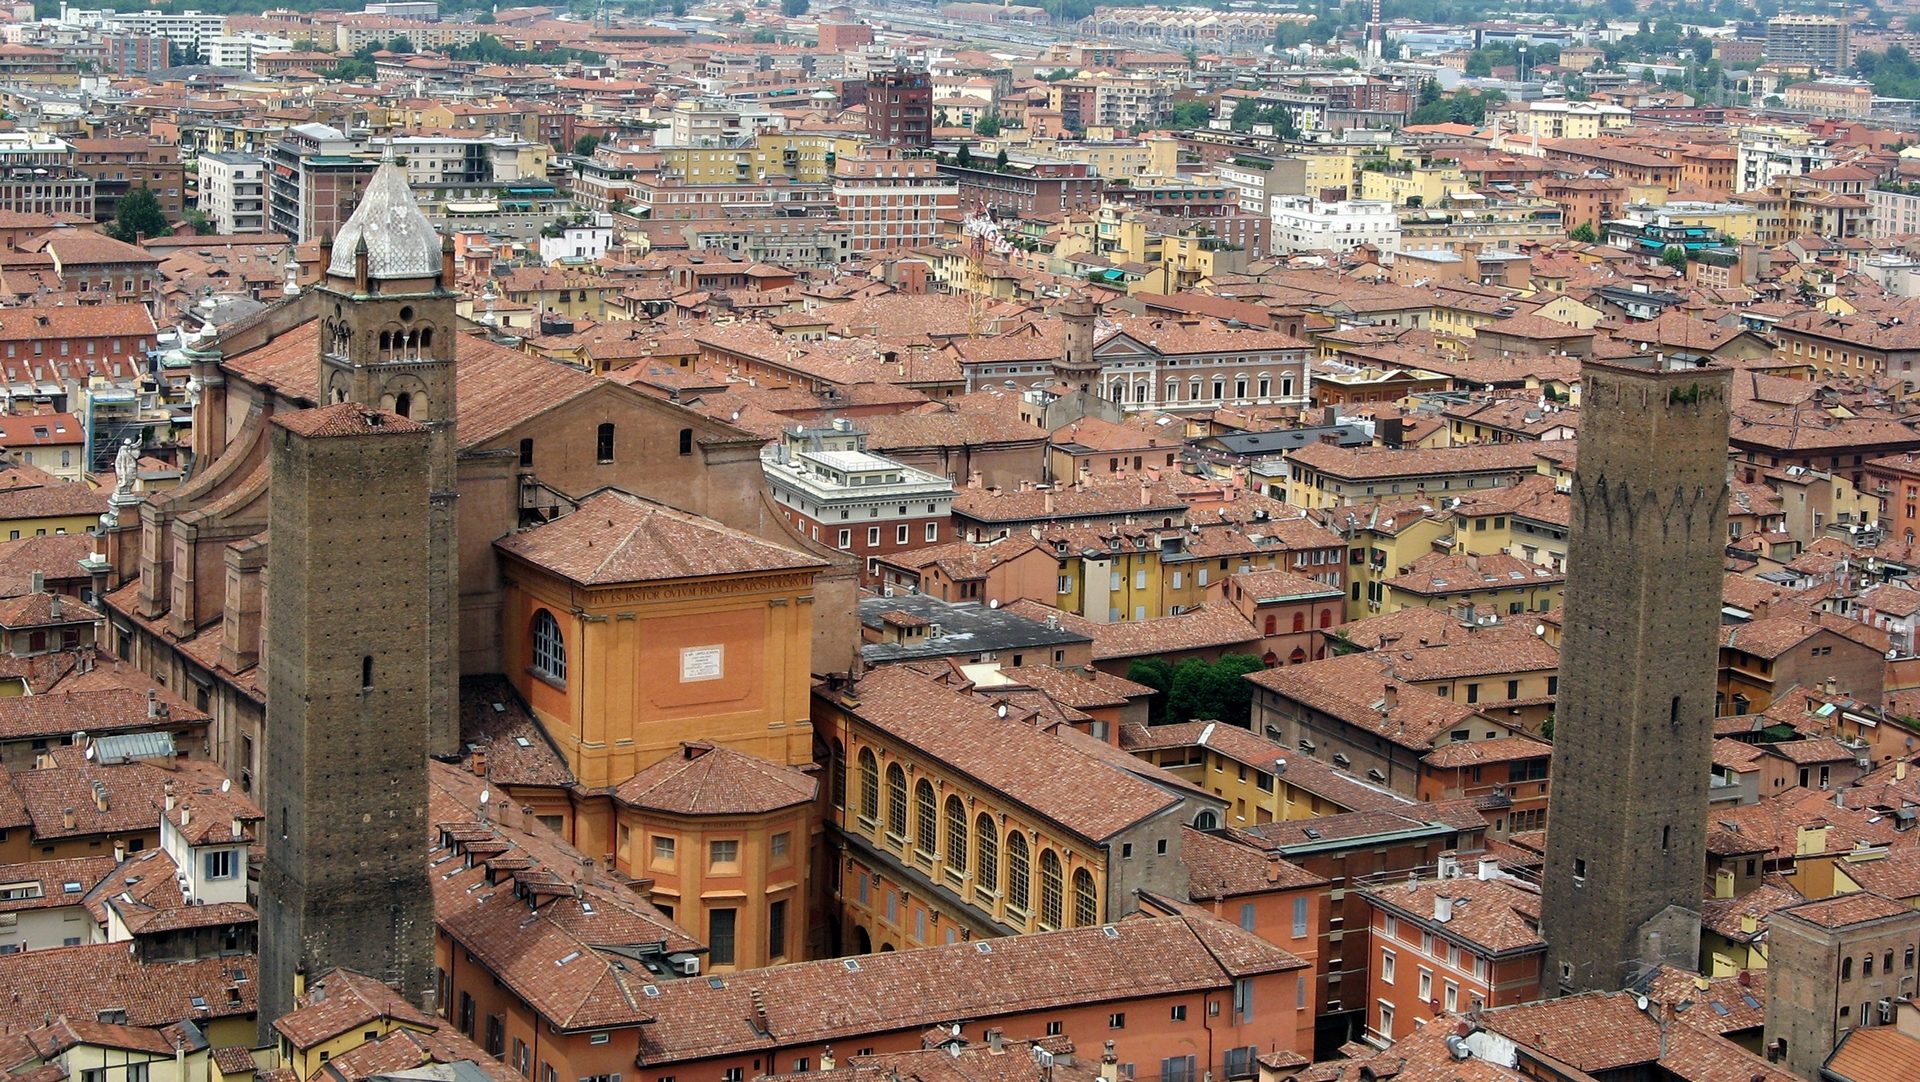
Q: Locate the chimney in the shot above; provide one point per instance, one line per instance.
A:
(1047, 501)
(170, 797)
(1442, 908)
(1900, 770)
(826, 1058)
(1109, 1065)
(1489, 869)
(239, 828)
(1146, 492)
(1389, 698)
(186, 815)
(153, 703)
(996, 1041)
(67, 819)
(119, 852)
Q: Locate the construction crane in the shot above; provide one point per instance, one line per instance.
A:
(982, 239)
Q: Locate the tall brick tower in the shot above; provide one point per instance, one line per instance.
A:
(1633, 733)
(360, 597)
(387, 338)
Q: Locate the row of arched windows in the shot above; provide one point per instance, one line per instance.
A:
(1299, 621)
(989, 857)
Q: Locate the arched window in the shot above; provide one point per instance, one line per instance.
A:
(896, 801)
(837, 773)
(988, 872)
(604, 449)
(549, 648)
(1299, 621)
(426, 337)
(956, 835)
(927, 813)
(386, 341)
(1846, 969)
(1051, 886)
(1326, 617)
(686, 441)
(869, 785)
(1206, 820)
(1273, 623)
(1086, 904)
(1866, 966)
(1019, 873)
(403, 404)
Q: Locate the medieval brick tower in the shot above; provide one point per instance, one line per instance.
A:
(1633, 737)
(360, 595)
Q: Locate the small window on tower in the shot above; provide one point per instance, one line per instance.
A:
(526, 452)
(366, 673)
(605, 443)
(403, 404)
(686, 441)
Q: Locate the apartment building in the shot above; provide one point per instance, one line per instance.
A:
(233, 192)
(315, 174)
(1304, 224)
(830, 487)
(889, 200)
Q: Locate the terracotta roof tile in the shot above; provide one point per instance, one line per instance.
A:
(615, 537)
(1093, 796)
(708, 780)
(838, 999)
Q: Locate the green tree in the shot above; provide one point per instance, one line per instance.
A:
(1479, 64)
(1000, 160)
(964, 159)
(1584, 234)
(586, 145)
(1676, 257)
(988, 125)
(201, 224)
(1215, 691)
(137, 218)
(763, 36)
(793, 9)
(1191, 115)
(1156, 673)
(400, 44)
(736, 17)
(1245, 112)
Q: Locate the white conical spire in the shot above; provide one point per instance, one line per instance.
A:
(401, 242)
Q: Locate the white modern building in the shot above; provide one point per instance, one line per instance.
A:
(188, 31)
(1305, 224)
(243, 51)
(829, 486)
(579, 243)
(233, 192)
(1765, 155)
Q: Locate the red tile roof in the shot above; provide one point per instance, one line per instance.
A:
(708, 780)
(615, 537)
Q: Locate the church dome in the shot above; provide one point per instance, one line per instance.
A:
(401, 242)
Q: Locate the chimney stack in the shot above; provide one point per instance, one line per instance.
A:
(1389, 698)
(1442, 907)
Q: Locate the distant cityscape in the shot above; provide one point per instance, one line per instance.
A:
(969, 542)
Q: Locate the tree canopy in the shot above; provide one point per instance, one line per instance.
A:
(1197, 689)
(137, 218)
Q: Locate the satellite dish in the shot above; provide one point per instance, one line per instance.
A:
(1539, 629)
(1640, 1002)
